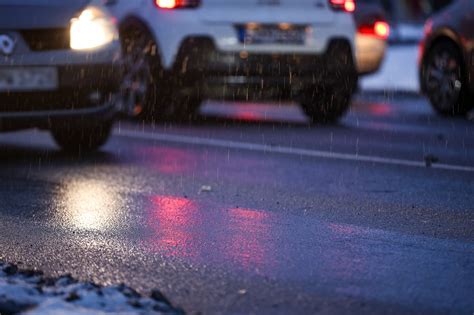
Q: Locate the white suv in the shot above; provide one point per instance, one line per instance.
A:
(179, 52)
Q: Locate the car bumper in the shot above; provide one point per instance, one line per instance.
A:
(370, 52)
(86, 92)
(216, 74)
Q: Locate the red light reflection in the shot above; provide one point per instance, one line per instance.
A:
(380, 109)
(171, 220)
(170, 160)
(202, 233)
(249, 240)
(249, 116)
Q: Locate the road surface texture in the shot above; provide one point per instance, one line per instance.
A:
(256, 211)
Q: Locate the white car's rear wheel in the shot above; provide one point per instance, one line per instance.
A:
(326, 105)
(147, 90)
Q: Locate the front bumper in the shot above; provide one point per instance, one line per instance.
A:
(215, 74)
(86, 92)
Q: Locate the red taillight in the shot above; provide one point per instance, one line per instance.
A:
(343, 5)
(379, 29)
(177, 4)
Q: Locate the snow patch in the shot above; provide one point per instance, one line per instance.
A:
(30, 293)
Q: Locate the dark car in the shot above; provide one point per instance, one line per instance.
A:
(447, 59)
(59, 69)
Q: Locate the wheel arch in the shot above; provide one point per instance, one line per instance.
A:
(134, 21)
(443, 35)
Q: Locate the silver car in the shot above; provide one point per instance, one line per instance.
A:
(59, 70)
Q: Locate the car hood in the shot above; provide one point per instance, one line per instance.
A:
(30, 14)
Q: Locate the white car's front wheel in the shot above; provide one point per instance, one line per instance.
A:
(141, 70)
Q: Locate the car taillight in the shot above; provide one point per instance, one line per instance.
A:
(379, 29)
(343, 5)
(177, 4)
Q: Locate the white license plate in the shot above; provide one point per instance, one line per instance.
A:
(25, 79)
(295, 35)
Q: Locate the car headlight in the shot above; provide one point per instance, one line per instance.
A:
(92, 29)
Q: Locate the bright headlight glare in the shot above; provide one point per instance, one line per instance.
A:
(92, 29)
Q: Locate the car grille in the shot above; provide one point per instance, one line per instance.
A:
(47, 39)
(64, 99)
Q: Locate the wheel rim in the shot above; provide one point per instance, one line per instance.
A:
(443, 79)
(136, 78)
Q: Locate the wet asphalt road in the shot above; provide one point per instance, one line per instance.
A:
(259, 212)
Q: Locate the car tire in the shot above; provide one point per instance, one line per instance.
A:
(186, 108)
(444, 80)
(156, 98)
(141, 88)
(82, 140)
(326, 105)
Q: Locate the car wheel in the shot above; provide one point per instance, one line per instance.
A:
(82, 139)
(147, 90)
(186, 108)
(140, 85)
(326, 105)
(444, 81)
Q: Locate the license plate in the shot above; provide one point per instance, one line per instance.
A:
(273, 34)
(24, 79)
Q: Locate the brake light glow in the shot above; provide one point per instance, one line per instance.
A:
(176, 4)
(343, 5)
(379, 29)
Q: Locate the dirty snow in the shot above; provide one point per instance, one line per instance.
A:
(30, 293)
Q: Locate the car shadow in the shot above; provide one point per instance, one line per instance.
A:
(19, 154)
(204, 121)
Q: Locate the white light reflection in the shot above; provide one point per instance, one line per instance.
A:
(90, 205)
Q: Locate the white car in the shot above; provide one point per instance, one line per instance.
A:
(180, 52)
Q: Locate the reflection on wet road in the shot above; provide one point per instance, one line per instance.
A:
(88, 205)
(314, 253)
(203, 234)
(273, 231)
